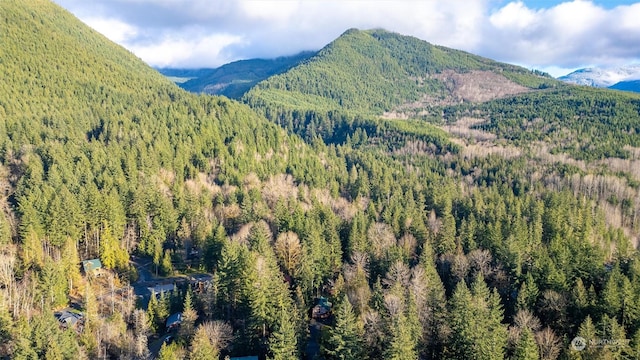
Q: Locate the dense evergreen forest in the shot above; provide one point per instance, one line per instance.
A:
(432, 222)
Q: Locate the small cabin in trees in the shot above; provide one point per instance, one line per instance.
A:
(68, 319)
(174, 321)
(199, 282)
(92, 266)
(322, 310)
(161, 288)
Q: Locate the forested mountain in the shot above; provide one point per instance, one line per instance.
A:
(376, 71)
(629, 85)
(234, 79)
(365, 74)
(444, 206)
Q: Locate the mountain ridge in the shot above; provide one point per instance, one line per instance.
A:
(628, 85)
(606, 77)
(234, 79)
(405, 69)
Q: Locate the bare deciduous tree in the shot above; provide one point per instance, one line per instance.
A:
(548, 344)
(289, 252)
(381, 238)
(480, 262)
(7, 264)
(399, 273)
(393, 304)
(219, 333)
(356, 283)
(409, 244)
(526, 319)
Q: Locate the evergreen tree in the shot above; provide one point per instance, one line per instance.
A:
(53, 285)
(6, 328)
(283, 341)
(230, 265)
(463, 323)
(580, 297)
(70, 262)
(151, 314)
(446, 237)
(345, 338)
(612, 330)
(189, 316)
(528, 293)
(170, 352)
(23, 349)
(612, 301)
(166, 267)
(476, 322)
(202, 348)
(403, 341)
(633, 350)
(112, 255)
(587, 331)
(53, 352)
(526, 347)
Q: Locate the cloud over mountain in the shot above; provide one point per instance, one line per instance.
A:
(205, 33)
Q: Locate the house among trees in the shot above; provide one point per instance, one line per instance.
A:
(174, 321)
(322, 310)
(161, 288)
(91, 266)
(200, 281)
(254, 357)
(68, 319)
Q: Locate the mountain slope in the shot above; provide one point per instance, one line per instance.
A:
(234, 79)
(82, 119)
(376, 71)
(103, 157)
(364, 76)
(180, 76)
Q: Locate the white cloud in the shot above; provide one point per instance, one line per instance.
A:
(115, 30)
(270, 10)
(198, 51)
(515, 16)
(569, 35)
(208, 33)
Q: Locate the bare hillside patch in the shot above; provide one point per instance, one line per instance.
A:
(478, 86)
(473, 86)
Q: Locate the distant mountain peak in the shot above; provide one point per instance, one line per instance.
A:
(603, 77)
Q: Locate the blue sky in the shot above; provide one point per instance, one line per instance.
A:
(553, 36)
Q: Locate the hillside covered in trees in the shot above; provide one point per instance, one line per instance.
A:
(438, 204)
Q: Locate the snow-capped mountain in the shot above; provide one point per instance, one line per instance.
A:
(603, 77)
